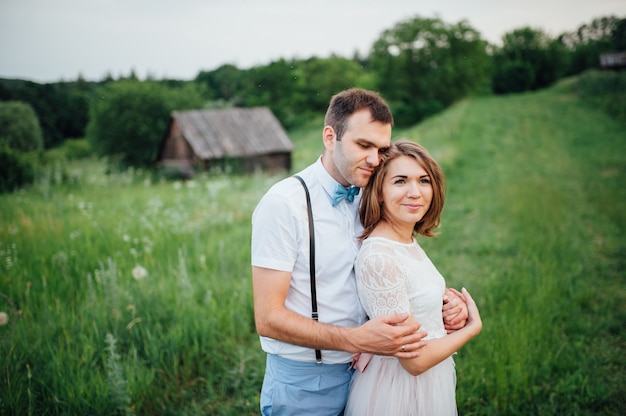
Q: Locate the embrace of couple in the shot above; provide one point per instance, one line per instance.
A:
(386, 326)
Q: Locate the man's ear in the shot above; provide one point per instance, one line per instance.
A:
(329, 135)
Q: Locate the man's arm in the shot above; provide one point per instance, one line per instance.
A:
(385, 335)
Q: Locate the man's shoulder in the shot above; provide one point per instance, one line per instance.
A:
(291, 186)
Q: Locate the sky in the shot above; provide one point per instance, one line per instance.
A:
(60, 40)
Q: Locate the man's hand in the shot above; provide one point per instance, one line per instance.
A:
(391, 335)
(454, 310)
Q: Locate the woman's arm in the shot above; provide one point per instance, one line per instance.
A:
(385, 335)
(437, 350)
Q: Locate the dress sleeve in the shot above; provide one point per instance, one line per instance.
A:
(382, 285)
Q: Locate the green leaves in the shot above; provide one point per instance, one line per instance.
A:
(129, 118)
(424, 65)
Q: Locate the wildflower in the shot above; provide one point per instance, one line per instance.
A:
(4, 318)
(139, 272)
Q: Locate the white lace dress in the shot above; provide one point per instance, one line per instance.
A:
(397, 277)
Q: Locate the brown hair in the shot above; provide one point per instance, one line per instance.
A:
(371, 212)
(347, 102)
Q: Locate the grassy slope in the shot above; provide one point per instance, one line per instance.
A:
(533, 227)
(533, 224)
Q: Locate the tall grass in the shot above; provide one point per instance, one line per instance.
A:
(127, 295)
(534, 224)
(183, 335)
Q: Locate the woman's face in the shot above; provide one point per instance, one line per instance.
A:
(406, 191)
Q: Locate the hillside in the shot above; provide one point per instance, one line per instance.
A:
(129, 295)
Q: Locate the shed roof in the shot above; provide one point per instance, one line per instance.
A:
(235, 132)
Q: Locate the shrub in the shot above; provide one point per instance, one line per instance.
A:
(129, 119)
(605, 90)
(16, 169)
(19, 127)
(74, 149)
(513, 76)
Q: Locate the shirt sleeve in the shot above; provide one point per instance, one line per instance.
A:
(382, 285)
(274, 242)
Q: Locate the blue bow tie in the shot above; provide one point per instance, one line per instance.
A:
(342, 192)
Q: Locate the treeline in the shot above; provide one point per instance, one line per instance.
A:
(420, 65)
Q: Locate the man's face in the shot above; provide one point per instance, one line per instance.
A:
(354, 158)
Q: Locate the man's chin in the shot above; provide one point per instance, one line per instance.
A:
(361, 182)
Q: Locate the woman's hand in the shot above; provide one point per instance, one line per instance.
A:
(474, 322)
(454, 310)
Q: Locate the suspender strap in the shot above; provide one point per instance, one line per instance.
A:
(318, 353)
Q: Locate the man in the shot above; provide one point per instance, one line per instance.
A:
(357, 130)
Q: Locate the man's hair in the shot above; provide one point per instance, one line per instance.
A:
(347, 102)
(371, 210)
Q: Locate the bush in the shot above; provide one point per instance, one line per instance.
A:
(513, 76)
(19, 127)
(130, 118)
(74, 149)
(16, 169)
(605, 90)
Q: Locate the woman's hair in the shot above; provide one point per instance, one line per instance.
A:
(371, 209)
(348, 102)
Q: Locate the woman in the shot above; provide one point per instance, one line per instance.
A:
(404, 199)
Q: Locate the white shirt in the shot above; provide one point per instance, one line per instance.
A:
(280, 241)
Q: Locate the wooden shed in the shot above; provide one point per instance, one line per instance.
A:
(248, 138)
(613, 60)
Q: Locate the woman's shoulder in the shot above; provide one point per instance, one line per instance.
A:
(382, 241)
(376, 246)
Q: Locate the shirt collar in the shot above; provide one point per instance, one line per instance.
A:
(328, 182)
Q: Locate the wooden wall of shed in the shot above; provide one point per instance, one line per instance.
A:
(272, 163)
(176, 150)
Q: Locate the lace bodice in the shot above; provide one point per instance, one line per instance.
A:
(397, 277)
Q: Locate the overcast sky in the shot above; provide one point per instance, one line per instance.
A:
(52, 40)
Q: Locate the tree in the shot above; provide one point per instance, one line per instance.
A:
(129, 119)
(19, 127)
(320, 78)
(293, 89)
(585, 44)
(526, 48)
(224, 83)
(273, 85)
(62, 108)
(424, 65)
(618, 35)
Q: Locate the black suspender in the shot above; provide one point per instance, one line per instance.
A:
(318, 353)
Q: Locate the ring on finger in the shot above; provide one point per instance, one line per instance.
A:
(403, 348)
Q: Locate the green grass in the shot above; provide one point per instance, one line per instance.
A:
(533, 227)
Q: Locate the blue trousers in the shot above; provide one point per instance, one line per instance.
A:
(293, 388)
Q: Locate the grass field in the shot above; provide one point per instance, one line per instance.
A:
(127, 295)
